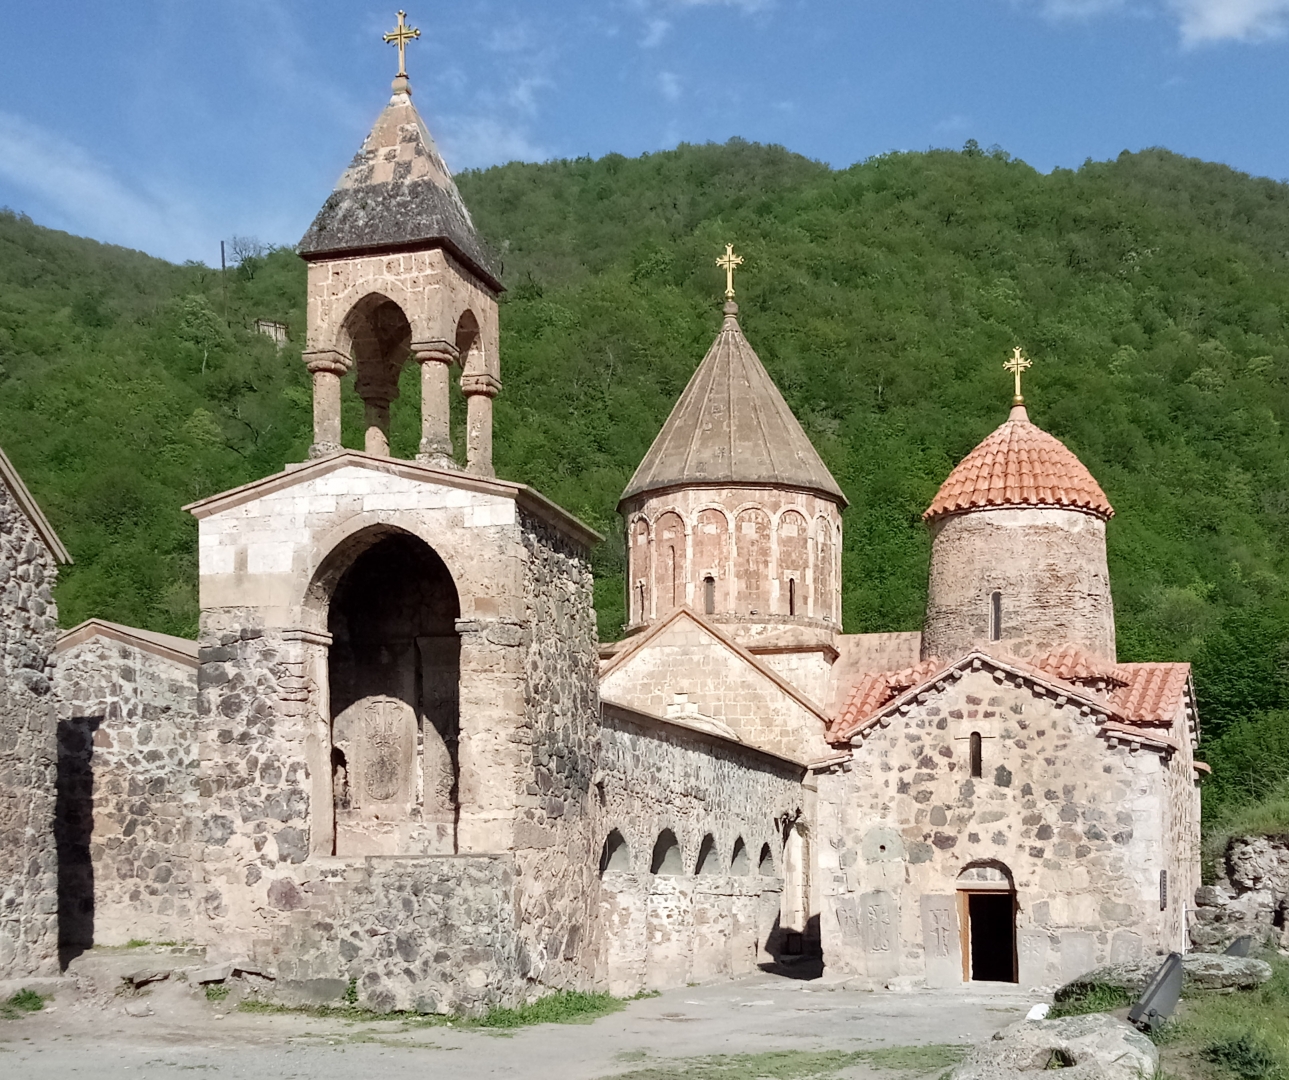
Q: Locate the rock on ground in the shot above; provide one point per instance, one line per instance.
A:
(1200, 971)
(1093, 1047)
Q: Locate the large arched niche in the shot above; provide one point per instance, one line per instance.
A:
(390, 606)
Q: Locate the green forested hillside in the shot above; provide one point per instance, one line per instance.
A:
(1151, 292)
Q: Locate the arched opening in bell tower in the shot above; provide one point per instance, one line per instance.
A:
(394, 674)
(380, 341)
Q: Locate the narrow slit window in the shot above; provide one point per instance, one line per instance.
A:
(996, 616)
(709, 595)
(640, 597)
(977, 762)
(792, 596)
(673, 575)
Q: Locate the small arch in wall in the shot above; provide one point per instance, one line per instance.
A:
(666, 860)
(765, 865)
(740, 864)
(709, 595)
(707, 863)
(616, 855)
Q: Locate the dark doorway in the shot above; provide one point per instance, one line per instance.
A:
(73, 829)
(992, 919)
(394, 668)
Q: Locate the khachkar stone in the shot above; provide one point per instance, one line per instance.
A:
(397, 274)
(30, 552)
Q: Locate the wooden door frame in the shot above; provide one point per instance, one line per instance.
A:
(964, 928)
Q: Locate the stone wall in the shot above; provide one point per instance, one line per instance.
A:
(28, 748)
(1082, 827)
(724, 803)
(1049, 567)
(556, 856)
(127, 812)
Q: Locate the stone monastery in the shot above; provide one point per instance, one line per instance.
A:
(398, 759)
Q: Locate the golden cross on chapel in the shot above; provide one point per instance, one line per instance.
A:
(1018, 363)
(400, 36)
(728, 262)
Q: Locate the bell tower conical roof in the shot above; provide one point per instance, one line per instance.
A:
(397, 193)
(732, 427)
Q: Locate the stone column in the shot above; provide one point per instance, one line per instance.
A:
(479, 391)
(436, 359)
(377, 385)
(327, 367)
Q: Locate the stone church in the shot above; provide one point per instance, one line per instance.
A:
(398, 758)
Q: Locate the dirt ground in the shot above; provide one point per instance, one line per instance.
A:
(720, 1032)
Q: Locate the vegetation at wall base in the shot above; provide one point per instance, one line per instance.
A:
(1150, 291)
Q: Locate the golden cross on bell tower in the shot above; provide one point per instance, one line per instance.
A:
(400, 36)
(728, 262)
(1016, 364)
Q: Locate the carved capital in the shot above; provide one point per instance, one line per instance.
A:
(328, 360)
(484, 385)
(442, 352)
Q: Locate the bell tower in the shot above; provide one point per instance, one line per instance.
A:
(398, 273)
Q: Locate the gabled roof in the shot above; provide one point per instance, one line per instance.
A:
(397, 193)
(180, 650)
(732, 427)
(1134, 717)
(526, 497)
(1075, 664)
(635, 644)
(1020, 465)
(28, 505)
(1154, 693)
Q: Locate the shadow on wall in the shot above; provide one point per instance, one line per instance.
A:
(73, 828)
(797, 954)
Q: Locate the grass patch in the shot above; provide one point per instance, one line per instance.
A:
(563, 1007)
(802, 1065)
(1244, 1056)
(1092, 998)
(1240, 1036)
(216, 991)
(21, 1003)
(137, 943)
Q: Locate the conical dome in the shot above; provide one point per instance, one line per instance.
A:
(397, 193)
(732, 427)
(1019, 465)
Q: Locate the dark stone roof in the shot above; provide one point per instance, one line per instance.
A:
(397, 193)
(732, 427)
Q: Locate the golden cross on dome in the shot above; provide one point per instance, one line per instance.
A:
(1018, 363)
(400, 36)
(728, 262)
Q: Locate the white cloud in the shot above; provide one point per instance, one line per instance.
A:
(88, 199)
(669, 85)
(1204, 21)
(655, 31)
(1199, 21)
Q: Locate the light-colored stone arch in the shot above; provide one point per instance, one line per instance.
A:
(670, 567)
(713, 556)
(792, 561)
(639, 569)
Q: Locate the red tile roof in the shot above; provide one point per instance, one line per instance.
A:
(1020, 464)
(1155, 694)
(1075, 664)
(1147, 696)
(875, 689)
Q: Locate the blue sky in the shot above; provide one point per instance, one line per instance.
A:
(168, 124)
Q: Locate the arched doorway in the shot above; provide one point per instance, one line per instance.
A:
(380, 340)
(987, 915)
(394, 673)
